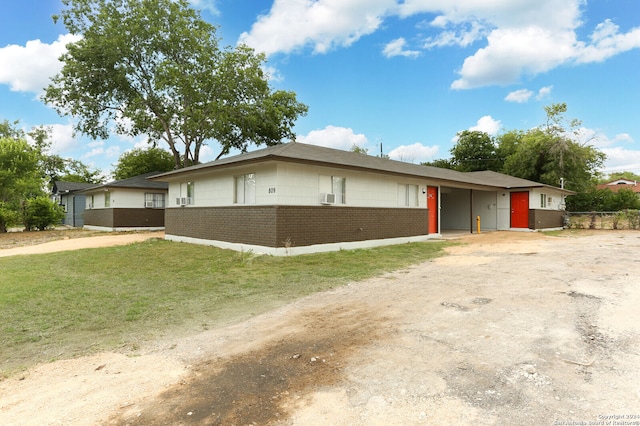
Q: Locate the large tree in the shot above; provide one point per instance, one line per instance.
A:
(140, 161)
(474, 151)
(54, 167)
(553, 154)
(154, 67)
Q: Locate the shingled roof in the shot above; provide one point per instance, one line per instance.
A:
(316, 155)
(136, 182)
(61, 187)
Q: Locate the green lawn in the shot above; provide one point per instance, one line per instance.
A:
(67, 304)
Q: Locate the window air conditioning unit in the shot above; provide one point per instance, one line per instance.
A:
(183, 201)
(327, 198)
(148, 204)
(177, 201)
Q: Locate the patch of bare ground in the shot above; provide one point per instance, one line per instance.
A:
(19, 238)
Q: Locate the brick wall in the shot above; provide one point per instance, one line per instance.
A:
(273, 226)
(543, 219)
(124, 218)
(98, 217)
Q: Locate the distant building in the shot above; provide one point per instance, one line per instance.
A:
(618, 184)
(66, 195)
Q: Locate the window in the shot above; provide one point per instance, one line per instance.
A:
(543, 200)
(107, 199)
(408, 195)
(338, 187)
(90, 202)
(190, 192)
(246, 189)
(154, 201)
(187, 193)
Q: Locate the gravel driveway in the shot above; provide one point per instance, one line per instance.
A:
(508, 328)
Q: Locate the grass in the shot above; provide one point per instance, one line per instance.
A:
(67, 304)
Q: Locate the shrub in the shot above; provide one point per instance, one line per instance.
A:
(8, 217)
(633, 218)
(40, 213)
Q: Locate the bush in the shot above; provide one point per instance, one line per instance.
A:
(40, 213)
(8, 217)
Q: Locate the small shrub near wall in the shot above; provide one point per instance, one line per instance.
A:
(40, 213)
(624, 219)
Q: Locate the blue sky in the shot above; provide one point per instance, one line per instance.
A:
(407, 74)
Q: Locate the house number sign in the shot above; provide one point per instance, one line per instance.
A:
(272, 190)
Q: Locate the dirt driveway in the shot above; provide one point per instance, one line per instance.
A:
(512, 328)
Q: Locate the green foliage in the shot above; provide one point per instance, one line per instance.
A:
(53, 167)
(40, 213)
(140, 161)
(442, 163)
(474, 151)
(8, 217)
(355, 148)
(549, 154)
(20, 176)
(157, 66)
(603, 200)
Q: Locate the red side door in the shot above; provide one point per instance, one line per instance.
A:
(519, 209)
(432, 205)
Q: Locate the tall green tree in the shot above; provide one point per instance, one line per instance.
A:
(552, 154)
(140, 161)
(20, 178)
(54, 167)
(474, 151)
(155, 68)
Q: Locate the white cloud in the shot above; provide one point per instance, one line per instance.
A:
(209, 5)
(512, 52)
(334, 137)
(323, 24)
(607, 41)
(99, 150)
(397, 48)
(520, 96)
(621, 160)
(463, 35)
(488, 125)
(544, 92)
(414, 153)
(62, 138)
(28, 68)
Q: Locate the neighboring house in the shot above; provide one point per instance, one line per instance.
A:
(128, 204)
(299, 198)
(66, 195)
(618, 184)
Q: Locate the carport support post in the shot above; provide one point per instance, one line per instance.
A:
(471, 211)
(478, 223)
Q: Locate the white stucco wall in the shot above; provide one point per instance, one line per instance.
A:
(293, 184)
(121, 198)
(554, 200)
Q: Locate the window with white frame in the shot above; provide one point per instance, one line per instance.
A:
(154, 201)
(408, 195)
(186, 195)
(107, 199)
(543, 200)
(245, 189)
(339, 188)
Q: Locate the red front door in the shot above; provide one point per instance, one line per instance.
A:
(519, 209)
(432, 205)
